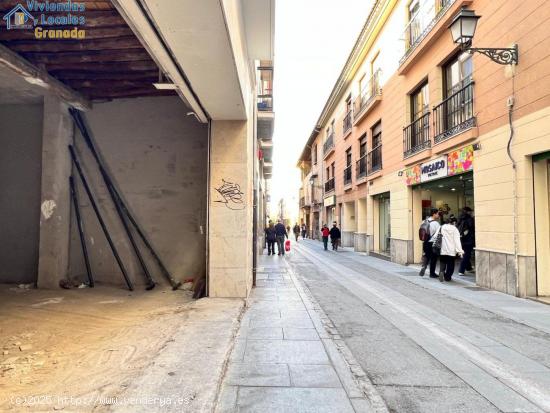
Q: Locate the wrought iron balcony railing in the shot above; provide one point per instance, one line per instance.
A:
(374, 160)
(361, 167)
(329, 143)
(347, 122)
(329, 185)
(347, 175)
(369, 91)
(455, 114)
(265, 89)
(416, 136)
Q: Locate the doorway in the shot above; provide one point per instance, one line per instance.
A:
(384, 219)
(541, 181)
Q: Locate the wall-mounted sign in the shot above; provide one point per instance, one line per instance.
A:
(461, 160)
(330, 200)
(412, 175)
(434, 169)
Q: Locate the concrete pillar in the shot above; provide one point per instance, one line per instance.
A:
(230, 209)
(55, 205)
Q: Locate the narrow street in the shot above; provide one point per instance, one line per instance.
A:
(428, 346)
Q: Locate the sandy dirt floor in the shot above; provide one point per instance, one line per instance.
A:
(80, 343)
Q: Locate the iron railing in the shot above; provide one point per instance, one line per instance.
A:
(347, 175)
(416, 136)
(369, 91)
(347, 122)
(361, 167)
(455, 114)
(329, 185)
(374, 160)
(422, 22)
(329, 143)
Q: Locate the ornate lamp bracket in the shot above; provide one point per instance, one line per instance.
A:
(502, 56)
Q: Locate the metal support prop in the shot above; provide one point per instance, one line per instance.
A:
(74, 197)
(121, 206)
(100, 218)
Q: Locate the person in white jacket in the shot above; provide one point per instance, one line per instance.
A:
(450, 248)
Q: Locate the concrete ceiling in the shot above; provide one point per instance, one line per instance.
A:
(197, 36)
(259, 18)
(14, 89)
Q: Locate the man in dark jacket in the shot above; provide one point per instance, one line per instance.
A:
(335, 236)
(467, 229)
(281, 234)
(270, 237)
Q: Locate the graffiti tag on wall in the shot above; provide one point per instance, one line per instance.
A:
(230, 195)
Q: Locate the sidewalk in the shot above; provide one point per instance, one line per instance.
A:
(288, 357)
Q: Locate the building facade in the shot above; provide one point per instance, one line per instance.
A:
(414, 122)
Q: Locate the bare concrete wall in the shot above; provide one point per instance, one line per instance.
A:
(158, 157)
(20, 171)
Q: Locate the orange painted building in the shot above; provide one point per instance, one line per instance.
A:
(415, 122)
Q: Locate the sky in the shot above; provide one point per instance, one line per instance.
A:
(313, 39)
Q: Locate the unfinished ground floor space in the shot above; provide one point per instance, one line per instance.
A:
(156, 158)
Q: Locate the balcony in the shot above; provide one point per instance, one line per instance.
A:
(371, 93)
(347, 122)
(455, 114)
(361, 167)
(416, 136)
(374, 160)
(328, 146)
(422, 22)
(264, 94)
(329, 185)
(347, 175)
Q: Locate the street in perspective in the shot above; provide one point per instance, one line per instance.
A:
(278, 206)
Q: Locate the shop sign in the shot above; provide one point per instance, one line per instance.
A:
(330, 200)
(412, 175)
(435, 169)
(461, 160)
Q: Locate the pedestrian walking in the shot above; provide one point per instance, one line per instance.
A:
(335, 236)
(271, 238)
(466, 228)
(304, 231)
(296, 231)
(280, 234)
(325, 232)
(427, 233)
(450, 248)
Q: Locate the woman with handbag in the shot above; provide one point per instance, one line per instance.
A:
(448, 239)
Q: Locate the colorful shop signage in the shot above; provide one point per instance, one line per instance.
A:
(412, 175)
(461, 160)
(434, 169)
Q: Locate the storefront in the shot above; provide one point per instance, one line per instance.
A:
(445, 183)
(329, 204)
(384, 223)
(541, 181)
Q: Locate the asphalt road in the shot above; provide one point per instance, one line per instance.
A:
(427, 346)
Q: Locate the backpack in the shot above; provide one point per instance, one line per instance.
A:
(436, 246)
(424, 231)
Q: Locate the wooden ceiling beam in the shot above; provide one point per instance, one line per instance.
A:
(86, 75)
(99, 56)
(49, 46)
(105, 67)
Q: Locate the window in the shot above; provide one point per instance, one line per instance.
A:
(314, 154)
(328, 173)
(457, 74)
(348, 156)
(377, 135)
(348, 104)
(420, 102)
(332, 169)
(363, 145)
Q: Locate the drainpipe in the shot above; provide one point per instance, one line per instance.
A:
(511, 102)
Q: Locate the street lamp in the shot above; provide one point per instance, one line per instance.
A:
(463, 28)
